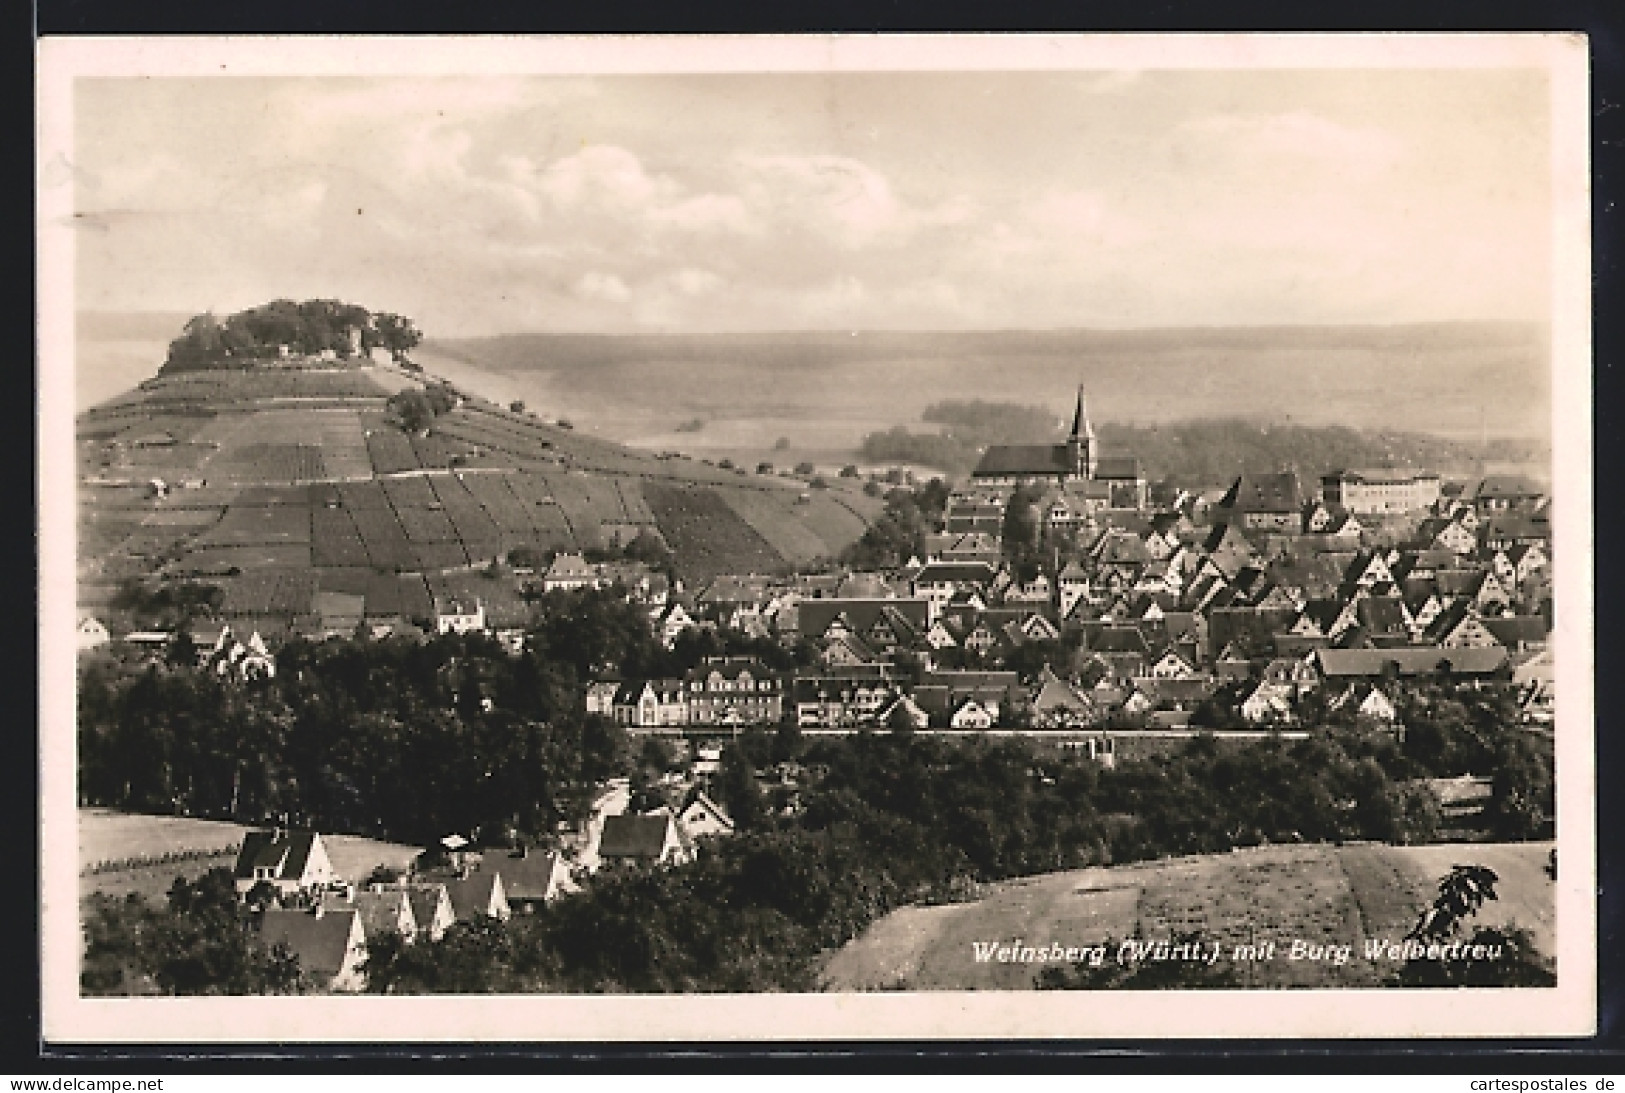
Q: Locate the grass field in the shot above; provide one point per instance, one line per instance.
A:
(132, 843)
(1319, 894)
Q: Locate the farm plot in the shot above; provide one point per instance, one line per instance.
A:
(432, 556)
(414, 492)
(274, 495)
(334, 540)
(834, 520)
(386, 543)
(707, 536)
(390, 452)
(253, 525)
(270, 463)
(270, 592)
(777, 518)
(188, 519)
(362, 495)
(243, 559)
(473, 524)
(500, 504)
(426, 525)
(437, 451)
(637, 509)
(404, 595)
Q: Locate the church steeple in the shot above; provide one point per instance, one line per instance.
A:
(1081, 443)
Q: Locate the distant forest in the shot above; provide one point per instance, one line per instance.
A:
(1193, 453)
(301, 328)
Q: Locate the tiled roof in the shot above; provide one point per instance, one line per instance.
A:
(287, 853)
(1347, 663)
(628, 836)
(321, 942)
(1278, 493)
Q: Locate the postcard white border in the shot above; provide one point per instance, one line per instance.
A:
(1567, 1010)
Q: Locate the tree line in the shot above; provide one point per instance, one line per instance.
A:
(306, 328)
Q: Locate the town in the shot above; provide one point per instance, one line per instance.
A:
(1052, 596)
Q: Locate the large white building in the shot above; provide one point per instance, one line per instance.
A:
(1376, 492)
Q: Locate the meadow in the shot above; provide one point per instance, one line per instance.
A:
(1316, 893)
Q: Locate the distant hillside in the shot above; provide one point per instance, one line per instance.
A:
(297, 493)
(1191, 453)
(1454, 380)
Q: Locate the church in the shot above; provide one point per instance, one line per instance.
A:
(1076, 466)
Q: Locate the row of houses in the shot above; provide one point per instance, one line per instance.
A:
(328, 923)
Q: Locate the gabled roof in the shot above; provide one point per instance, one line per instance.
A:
(629, 836)
(379, 911)
(321, 942)
(1272, 493)
(1508, 486)
(1018, 460)
(530, 876)
(1117, 468)
(285, 852)
(1418, 660)
(1381, 614)
(813, 616)
(426, 900)
(472, 895)
(957, 572)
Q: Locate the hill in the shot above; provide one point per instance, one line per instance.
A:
(830, 389)
(279, 482)
(1337, 895)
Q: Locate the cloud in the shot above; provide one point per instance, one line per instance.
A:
(1298, 134)
(602, 287)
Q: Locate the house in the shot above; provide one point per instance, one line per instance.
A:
(431, 910)
(733, 691)
(938, 581)
(531, 878)
(1057, 705)
(330, 945)
(651, 704)
(90, 633)
(1459, 626)
(672, 621)
(479, 894)
(1535, 680)
(454, 616)
(883, 624)
(1368, 701)
(1344, 664)
(972, 714)
(289, 861)
(844, 698)
(601, 696)
(570, 571)
(1272, 501)
(1506, 493)
(703, 818)
(382, 908)
(644, 840)
(904, 711)
(1269, 703)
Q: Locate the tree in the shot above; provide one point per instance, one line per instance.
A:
(517, 406)
(805, 468)
(412, 409)
(396, 333)
(1512, 959)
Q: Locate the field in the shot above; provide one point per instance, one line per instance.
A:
(1317, 894)
(708, 537)
(119, 852)
(284, 471)
(826, 390)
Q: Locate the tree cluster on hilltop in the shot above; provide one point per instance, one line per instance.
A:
(305, 328)
(1192, 453)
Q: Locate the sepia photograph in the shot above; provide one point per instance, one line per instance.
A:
(727, 538)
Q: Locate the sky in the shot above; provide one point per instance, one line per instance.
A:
(906, 200)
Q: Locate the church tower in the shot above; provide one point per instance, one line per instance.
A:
(1080, 445)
